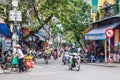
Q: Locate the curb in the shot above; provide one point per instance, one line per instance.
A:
(103, 65)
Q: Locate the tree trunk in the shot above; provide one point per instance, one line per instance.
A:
(81, 45)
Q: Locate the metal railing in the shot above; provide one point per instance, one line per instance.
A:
(108, 11)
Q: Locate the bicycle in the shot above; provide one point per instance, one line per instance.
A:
(7, 66)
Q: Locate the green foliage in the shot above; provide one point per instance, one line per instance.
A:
(78, 21)
(72, 14)
(4, 10)
(23, 8)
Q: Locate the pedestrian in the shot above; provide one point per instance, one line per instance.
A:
(20, 58)
(101, 57)
(92, 58)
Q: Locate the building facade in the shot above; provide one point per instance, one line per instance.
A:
(105, 14)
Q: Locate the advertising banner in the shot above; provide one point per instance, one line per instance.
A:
(94, 6)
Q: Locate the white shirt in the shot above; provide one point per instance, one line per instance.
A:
(20, 53)
(14, 50)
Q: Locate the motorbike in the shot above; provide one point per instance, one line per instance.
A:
(46, 58)
(34, 57)
(55, 56)
(74, 61)
(39, 55)
(65, 58)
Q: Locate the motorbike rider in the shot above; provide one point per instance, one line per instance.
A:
(55, 53)
(73, 49)
(47, 52)
(73, 52)
(64, 51)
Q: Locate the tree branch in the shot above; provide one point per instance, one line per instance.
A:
(45, 22)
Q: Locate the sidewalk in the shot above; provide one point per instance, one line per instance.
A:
(104, 65)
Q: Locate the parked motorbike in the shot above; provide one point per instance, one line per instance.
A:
(74, 61)
(65, 58)
(39, 55)
(34, 57)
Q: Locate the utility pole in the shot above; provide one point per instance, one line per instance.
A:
(15, 16)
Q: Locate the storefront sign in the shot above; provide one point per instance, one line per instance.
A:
(95, 37)
(7, 44)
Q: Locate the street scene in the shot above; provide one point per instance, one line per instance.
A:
(55, 70)
(59, 39)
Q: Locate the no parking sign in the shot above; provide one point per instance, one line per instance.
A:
(109, 32)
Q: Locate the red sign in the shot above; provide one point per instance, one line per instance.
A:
(109, 32)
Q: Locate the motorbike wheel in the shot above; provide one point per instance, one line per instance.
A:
(46, 61)
(77, 65)
(70, 66)
(6, 67)
(54, 57)
(64, 62)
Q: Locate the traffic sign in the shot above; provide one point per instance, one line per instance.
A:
(109, 32)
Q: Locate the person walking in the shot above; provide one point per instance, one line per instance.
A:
(20, 58)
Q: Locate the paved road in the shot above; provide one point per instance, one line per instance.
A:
(55, 70)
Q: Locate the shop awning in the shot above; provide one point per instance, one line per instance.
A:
(98, 33)
(86, 31)
(5, 30)
(40, 37)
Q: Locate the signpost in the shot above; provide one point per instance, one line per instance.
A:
(109, 34)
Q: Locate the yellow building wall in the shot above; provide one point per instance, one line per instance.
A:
(100, 5)
(101, 2)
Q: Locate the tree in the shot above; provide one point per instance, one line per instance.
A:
(4, 8)
(79, 21)
(73, 15)
(46, 9)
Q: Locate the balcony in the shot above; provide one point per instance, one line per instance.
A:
(108, 12)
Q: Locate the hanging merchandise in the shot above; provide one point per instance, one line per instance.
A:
(14, 60)
(118, 44)
(116, 36)
(28, 64)
(119, 36)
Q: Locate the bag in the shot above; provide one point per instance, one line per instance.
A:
(14, 60)
(28, 64)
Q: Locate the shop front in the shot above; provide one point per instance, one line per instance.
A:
(99, 41)
(5, 38)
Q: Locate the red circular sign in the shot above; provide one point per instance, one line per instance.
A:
(109, 32)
